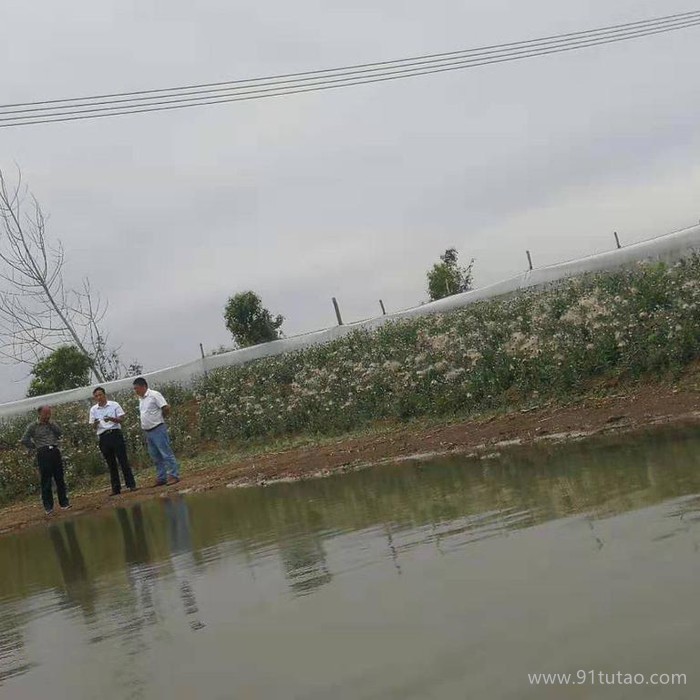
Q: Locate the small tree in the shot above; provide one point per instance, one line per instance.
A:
(447, 277)
(64, 368)
(134, 369)
(249, 321)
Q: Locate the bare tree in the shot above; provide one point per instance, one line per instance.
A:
(37, 310)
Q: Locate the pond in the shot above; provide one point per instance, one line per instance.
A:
(451, 578)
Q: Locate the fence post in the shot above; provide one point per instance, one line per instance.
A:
(529, 259)
(617, 240)
(204, 367)
(381, 303)
(337, 312)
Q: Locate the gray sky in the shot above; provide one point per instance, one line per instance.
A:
(350, 193)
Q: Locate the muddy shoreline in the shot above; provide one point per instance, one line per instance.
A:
(641, 407)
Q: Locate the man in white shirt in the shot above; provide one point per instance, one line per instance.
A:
(154, 410)
(106, 417)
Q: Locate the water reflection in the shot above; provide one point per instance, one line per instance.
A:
(687, 515)
(13, 657)
(392, 548)
(304, 561)
(140, 575)
(136, 573)
(449, 500)
(78, 586)
(181, 555)
(133, 532)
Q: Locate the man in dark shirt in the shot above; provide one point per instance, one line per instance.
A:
(43, 436)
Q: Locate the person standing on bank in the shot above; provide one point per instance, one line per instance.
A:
(106, 417)
(154, 410)
(43, 436)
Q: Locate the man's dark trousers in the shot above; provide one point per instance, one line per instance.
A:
(113, 449)
(51, 467)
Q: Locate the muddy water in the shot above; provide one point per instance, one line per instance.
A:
(450, 579)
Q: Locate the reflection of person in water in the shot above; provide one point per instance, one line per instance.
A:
(136, 611)
(178, 516)
(140, 576)
(77, 583)
(134, 535)
(181, 554)
(304, 561)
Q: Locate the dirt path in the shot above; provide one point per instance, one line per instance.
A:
(637, 408)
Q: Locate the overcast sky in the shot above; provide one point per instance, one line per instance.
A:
(350, 193)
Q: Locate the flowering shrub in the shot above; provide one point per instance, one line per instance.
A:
(637, 320)
(494, 353)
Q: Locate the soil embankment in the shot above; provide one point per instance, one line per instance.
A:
(639, 407)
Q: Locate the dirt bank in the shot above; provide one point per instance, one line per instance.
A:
(637, 407)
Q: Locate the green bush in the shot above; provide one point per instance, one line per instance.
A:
(634, 321)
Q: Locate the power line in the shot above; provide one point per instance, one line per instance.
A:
(307, 85)
(117, 104)
(673, 21)
(451, 55)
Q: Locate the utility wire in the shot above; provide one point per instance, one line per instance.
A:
(448, 55)
(117, 104)
(308, 86)
(427, 61)
(452, 55)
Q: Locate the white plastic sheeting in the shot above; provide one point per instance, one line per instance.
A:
(669, 248)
